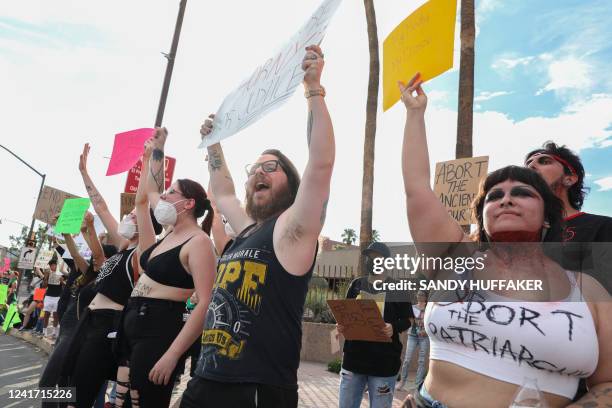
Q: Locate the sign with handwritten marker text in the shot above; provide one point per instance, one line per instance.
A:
(50, 203)
(456, 183)
(127, 149)
(72, 215)
(423, 43)
(361, 319)
(273, 82)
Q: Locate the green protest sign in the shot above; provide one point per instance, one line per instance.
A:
(72, 215)
(12, 317)
(3, 294)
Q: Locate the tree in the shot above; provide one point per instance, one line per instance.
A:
(466, 81)
(365, 231)
(18, 241)
(375, 236)
(349, 236)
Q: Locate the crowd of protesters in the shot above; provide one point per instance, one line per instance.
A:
(159, 288)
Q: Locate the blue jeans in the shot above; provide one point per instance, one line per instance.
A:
(352, 386)
(423, 344)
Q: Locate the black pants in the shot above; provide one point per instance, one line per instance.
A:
(51, 375)
(202, 393)
(149, 328)
(91, 362)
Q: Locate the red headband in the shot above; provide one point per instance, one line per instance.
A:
(558, 159)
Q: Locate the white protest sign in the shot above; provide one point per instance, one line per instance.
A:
(273, 82)
(43, 258)
(26, 258)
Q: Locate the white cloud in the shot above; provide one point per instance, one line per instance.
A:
(486, 95)
(569, 73)
(509, 63)
(605, 184)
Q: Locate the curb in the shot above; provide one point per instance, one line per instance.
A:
(39, 342)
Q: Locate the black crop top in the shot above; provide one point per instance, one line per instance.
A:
(166, 268)
(115, 278)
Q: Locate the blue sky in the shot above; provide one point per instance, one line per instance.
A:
(79, 73)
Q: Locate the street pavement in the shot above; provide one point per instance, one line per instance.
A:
(20, 367)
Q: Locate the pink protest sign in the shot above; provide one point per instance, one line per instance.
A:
(128, 148)
(6, 266)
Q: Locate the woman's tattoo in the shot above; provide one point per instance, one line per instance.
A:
(94, 196)
(215, 161)
(141, 289)
(157, 155)
(309, 127)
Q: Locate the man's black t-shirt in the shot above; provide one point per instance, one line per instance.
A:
(587, 246)
(376, 358)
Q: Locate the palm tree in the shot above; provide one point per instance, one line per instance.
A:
(365, 231)
(466, 81)
(375, 236)
(349, 236)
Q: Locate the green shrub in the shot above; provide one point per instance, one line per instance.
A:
(334, 366)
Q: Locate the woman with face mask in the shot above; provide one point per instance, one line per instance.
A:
(154, 331)
(93, 341)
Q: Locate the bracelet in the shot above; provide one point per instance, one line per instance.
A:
(315, 92)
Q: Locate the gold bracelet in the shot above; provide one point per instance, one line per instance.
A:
(315, 92)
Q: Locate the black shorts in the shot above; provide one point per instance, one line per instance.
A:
(203, 393)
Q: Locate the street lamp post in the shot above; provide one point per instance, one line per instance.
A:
(42, 184)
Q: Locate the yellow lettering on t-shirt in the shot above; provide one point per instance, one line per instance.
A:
(255, 274)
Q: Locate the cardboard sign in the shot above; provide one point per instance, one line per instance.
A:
(127, 149)
(361, 319)
(423, 43)
(43, 258)
(72, 215)
(39, 294)
(128, 202)
(273, 82)
(456, 183)
(26, 258)
(50, 203)
(133, 178)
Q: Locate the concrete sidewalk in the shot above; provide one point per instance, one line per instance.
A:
(318, 388)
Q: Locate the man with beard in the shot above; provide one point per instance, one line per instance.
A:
(252, 335)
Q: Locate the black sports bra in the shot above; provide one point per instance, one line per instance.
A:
(166, 268)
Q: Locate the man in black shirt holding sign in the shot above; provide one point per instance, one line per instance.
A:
(253, 330)
(370, 363)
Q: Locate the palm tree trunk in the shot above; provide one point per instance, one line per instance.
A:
(466, 81)
(365, 232)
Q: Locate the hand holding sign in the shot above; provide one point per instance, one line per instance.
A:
(416, 103)
(127, 149)
(72, 214)
(312, 65)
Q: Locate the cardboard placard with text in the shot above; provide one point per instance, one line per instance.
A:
(133, 178)
(128, 202)
(423, 43)
(456, 184)
(50, 203)
(43, 258)
(361, 319)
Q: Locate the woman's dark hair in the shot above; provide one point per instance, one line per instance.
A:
(577, 192)
(293, 177)
(194, 190)
(553, 206)
(157, 227)
(109, 250)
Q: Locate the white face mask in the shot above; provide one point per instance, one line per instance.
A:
(165, 213)
(127, 229)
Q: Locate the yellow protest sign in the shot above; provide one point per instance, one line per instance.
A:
(456, 183)
(423, 43)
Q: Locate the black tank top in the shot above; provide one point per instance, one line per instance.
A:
(253, 327)
(166, 268)
(115, 278)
